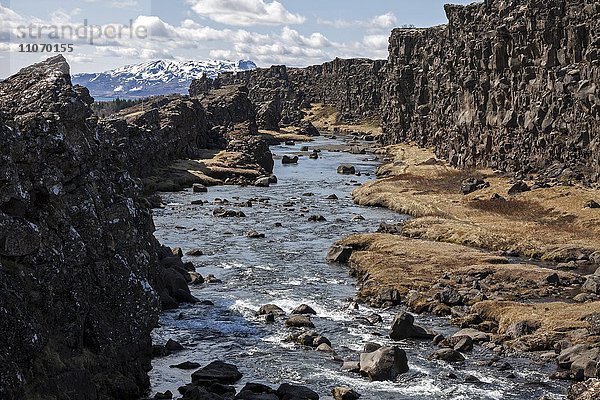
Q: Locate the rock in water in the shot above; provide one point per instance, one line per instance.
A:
(198, 188)
(294, 392)
(299, 321)
(346, 169)
(449, 355)
(270, 309)
(339, 254)
(304, 309)
(289, 160)
(344, 393)
(217, 372)
(403, 327)
(384, 364)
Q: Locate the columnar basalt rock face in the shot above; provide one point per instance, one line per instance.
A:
(352, 86)
(77, 253)
(512, 85)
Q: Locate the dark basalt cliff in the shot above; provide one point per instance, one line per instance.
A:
(150, 136)
(351, 86)
(77, 253)
(512, 85)
(82, 278)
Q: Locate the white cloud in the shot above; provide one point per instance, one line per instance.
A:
(281, 46)
(376, 41)
(384, 21)
(245, 12)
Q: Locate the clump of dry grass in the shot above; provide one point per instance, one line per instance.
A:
(556, 320)
(545, 223)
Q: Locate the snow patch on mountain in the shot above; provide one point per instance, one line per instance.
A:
(155, 78)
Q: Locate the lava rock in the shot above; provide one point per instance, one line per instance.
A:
(304, 309)
(299, 321)
(448, 355)
(219, 372)
(199, 188)
(344, 393)
(403, 327)
(339, 254)
(289, 160)
(471, 185)
(384, 364)
(287, 391)
(270, 309)
(346, 169)
(519, 187)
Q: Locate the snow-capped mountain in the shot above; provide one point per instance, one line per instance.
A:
(154, 78)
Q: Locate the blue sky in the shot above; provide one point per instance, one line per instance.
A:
(292, 32)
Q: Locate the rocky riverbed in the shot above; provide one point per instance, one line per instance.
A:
(271, 250)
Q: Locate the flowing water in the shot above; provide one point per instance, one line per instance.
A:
(288, 268)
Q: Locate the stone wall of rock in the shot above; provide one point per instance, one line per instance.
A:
(77, 251)
(351, 86)
(82, 278)
(512, 85)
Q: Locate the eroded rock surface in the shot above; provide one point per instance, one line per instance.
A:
(77, 253)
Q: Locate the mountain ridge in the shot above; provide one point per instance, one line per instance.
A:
(154, 78)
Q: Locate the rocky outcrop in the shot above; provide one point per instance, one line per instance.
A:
(351, 86)
(155, 134)
(77, 253)
(512, 85)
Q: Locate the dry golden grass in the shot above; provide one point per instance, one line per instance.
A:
(327, 118)
(404, 264)
(284, 135)
(557, 320)
(211, 169)
(549, 223)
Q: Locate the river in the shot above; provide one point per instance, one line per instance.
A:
(288, 268)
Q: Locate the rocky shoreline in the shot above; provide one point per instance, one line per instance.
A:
(460, 253)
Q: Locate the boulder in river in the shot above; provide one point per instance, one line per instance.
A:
(186, 365)
(346, 169)
(448, 355)
(299, 321)
(339, 254)
(224, 213)
(581, 359)
(194, 253)
(289, 160)
(199, 188)
(270, 309)
(255, 235)
(256, 391)
(303, 309)
(172, 345)
(384, 364)
(344, 393)
(263, 181)
(403, 327)
(217, 372)
(317, 218)
(294, 392)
